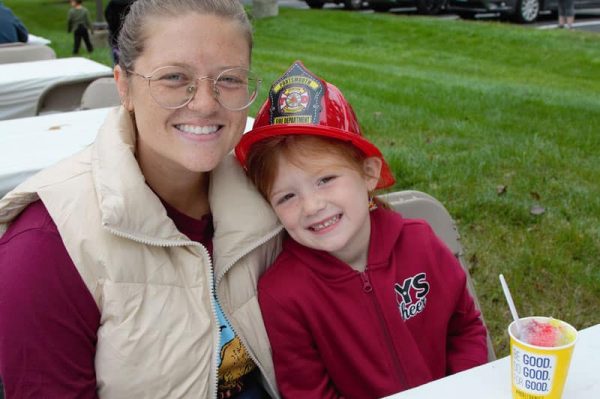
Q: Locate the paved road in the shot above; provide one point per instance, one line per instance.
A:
(588, 20)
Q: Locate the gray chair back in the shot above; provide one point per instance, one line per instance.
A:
(100, 93)
(25, 53)
(62, 96)
(418, 205)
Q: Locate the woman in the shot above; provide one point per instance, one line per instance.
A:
(107, 259)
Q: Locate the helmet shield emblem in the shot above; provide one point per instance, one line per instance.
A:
(296, 97)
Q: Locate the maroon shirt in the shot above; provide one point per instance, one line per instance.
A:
(48, 318)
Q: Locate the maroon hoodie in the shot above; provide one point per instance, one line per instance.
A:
(406, 320)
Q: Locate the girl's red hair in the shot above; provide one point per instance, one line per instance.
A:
(263, 157)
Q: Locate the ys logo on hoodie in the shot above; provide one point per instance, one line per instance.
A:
(411, 295)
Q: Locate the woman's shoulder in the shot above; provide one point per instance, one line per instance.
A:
(33, 221)
(32, 248)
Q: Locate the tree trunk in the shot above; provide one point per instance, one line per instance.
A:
(99, 23)
(264, 8)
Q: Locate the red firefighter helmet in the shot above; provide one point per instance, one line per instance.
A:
(301, 103)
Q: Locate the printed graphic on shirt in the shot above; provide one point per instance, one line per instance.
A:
(411, 295)
(296, 97)
(234, 361)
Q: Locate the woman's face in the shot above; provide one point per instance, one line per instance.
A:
(195, 138)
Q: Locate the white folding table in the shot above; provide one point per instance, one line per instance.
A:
(21, 83)
(30, 144)
(33, 39)
(492, 380)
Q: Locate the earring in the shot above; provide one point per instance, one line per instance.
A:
(372, 204)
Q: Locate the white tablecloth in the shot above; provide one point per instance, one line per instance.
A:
(33, 39)
(492, 380)
(30, 144)
(22, 83)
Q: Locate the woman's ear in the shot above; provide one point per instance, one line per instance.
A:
(372, 170)
(123, 87)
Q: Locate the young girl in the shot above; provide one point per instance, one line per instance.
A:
(361, 303)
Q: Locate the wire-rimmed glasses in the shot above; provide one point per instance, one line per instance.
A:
(173, 87)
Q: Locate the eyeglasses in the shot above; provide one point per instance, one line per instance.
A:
(173, 87)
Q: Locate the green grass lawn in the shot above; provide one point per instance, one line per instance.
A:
(492, 119)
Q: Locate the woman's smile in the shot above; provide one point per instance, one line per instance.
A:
(199, 133)
(198, 130)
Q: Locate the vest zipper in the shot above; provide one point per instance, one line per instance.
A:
(217, 336)
(216, 333)
(156, 243)
(368, 289)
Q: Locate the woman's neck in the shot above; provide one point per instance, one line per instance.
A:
(189, 198)
(185, 191)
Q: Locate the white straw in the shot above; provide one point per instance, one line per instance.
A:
(511, 304)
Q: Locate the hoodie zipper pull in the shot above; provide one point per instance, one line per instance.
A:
(367, 287)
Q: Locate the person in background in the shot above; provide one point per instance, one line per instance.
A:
(566, 13)
(12, 29)
(129, 270)
(78, 22)
(114, 14)
(361, 303)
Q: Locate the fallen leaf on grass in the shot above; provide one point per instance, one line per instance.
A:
(501, 189)
(537, 210)
(536, 196)
(478, 228)
(473, 261)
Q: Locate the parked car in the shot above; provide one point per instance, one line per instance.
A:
(524, 11)
(428, 7)
(348, 4)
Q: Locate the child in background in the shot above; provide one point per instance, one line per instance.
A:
(79, 23)
(361, 303)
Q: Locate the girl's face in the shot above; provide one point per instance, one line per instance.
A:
(193, 139)
(324, 204)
